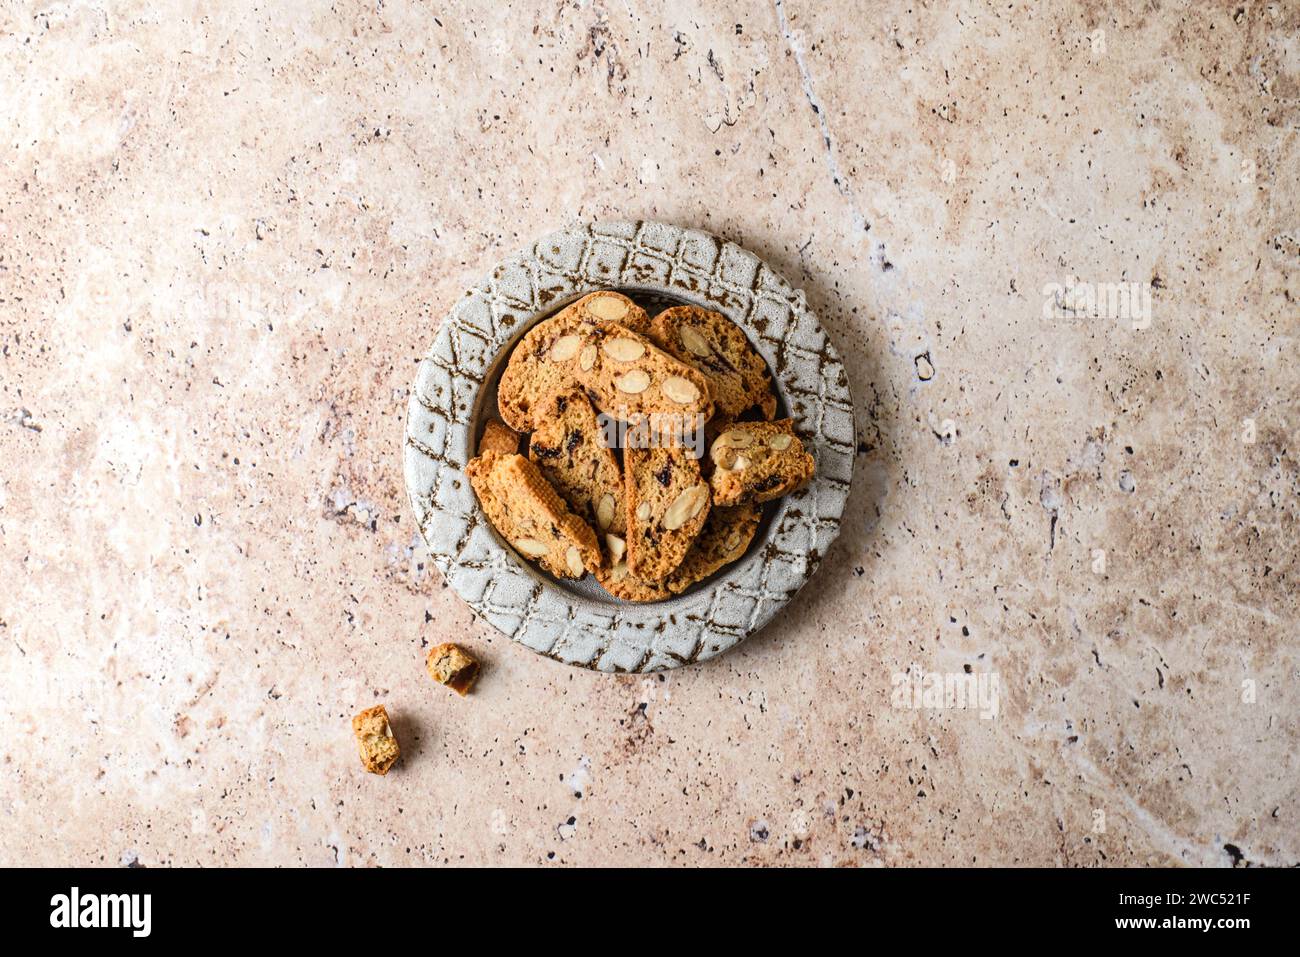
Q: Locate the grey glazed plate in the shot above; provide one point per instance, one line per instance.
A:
(455, 391)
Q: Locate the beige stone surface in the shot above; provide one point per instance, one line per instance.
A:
(228, 232)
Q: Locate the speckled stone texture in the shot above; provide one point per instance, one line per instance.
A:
(227, 232)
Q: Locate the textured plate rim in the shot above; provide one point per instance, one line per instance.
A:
(656, 258)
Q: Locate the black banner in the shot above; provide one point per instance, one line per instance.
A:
(135, 907)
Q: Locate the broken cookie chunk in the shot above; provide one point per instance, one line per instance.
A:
(757, 462)
(375, 739)
(524, 508)
(452, 666)
(498, 437)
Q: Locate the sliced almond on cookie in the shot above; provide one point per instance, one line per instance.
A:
(532, 547)
(608, 308)
(573, 559)
(565, 348)
(587, 359)
(682, 391)
(617, 548)
(634, 382)
(685, 507)
(734, 438)
(605, 510)
(624, 349)
(701, 499)
(694, 342)
(779, 442)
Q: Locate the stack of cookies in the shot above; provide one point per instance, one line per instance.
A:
(654, 517)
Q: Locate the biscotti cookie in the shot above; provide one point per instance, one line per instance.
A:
(375, 740)
(529, 514)
(453, 666)
(624, 373)
(538, 368)
(724, 538)
(621, 583)
(667, 503)
(716, 347)
(757, 461)
(569, 450)
(498, 437)
(630, 378)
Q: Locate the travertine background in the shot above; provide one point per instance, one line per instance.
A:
(229, 230)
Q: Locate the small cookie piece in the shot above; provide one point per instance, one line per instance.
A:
(667, 504)
(544, 359)
(498, 437)
(451, 665)
(569, 450)
(529, 514)
(621, 583)
(715, 346)
(757, 462)
(725, 537)
(375, 740)
(764, 411)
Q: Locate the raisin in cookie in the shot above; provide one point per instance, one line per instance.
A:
(498, 437)
(725, 537)
(621, 583)
(569, 450)
(715, 346)
(667, 503)
(540, 364)
(757, 462)
(529, 514)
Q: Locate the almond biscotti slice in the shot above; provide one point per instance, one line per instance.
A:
(667, 504)
(630, 378)
(716, 347)
(498, 437)
(725, 537)
(621, 583)
(757, 462)
(622, 371)
(540, 364)
(568, 448)
(529, 514)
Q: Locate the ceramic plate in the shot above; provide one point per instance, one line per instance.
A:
(455, 391)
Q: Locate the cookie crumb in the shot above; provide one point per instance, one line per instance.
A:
(498, 437)
(454, 667)
(375, 739)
